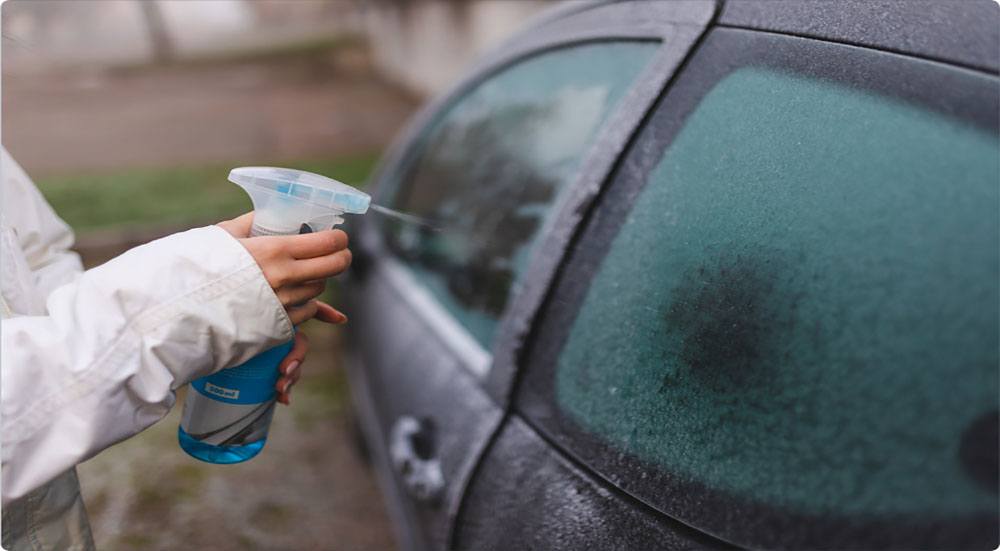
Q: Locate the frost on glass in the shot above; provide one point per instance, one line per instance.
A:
(487, 172)
(801, 308)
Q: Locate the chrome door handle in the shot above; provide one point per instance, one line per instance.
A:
(411, 449)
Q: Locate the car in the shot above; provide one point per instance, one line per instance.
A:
(693, 275)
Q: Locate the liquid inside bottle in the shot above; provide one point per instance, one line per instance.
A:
(227, 414)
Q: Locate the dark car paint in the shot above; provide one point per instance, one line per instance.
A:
(932, 30)
(522, 472)
(480, 443)
(428, 380)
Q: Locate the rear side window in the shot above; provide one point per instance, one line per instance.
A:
(798, 316)
(486, 172)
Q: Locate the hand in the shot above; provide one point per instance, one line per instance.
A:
(297, 266)
(290, 368)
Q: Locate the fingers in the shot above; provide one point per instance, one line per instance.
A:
(300, 347)
(285, 384)
(295, 259)
(329, 314)
(238, 227)
(303, 313)
(290, 368)
(320, 267)
(315, 309)
(312, 245)
(300, 294)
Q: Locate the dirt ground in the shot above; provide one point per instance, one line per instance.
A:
(308, 490)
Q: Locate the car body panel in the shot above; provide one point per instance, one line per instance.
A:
(408, 359)
(429, 371)
(528, 496)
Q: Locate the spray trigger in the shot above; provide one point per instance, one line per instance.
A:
(288, 201)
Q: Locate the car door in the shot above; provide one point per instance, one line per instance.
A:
(778, 326)
(476, 178)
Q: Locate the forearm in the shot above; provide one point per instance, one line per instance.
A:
(118, 340)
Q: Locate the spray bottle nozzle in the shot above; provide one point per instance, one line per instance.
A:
(284, 199)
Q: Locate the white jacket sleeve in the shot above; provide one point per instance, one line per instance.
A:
(117, 340)
(42, 236)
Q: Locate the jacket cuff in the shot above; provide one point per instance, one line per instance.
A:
(198, 301)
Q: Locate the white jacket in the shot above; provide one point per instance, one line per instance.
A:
(91, 358)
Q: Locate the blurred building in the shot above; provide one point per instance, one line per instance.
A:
(422, 44)
(426, 45)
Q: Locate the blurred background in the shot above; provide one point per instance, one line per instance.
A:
(128, 115)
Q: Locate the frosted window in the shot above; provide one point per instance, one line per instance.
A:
(801, 307)
(488, 170)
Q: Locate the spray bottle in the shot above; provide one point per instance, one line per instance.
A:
(227, 415)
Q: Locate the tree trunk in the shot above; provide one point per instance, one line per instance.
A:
(163, 48)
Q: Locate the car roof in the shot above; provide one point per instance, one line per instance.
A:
(963, 33)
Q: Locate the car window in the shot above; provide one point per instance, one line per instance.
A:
(800, 309)
(486, 172)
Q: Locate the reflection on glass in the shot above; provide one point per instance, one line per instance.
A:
(487, 171)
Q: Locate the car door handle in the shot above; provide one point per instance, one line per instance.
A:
(411, 449)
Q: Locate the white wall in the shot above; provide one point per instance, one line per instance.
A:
(39, 35)
(424, 45)
(427, 45)
(64, 32)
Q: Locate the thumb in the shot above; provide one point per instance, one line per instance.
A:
(238, 227)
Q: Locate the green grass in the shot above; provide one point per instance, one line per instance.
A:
(177, 195)
(310, 48)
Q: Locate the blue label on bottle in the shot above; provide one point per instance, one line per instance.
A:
(251, 382)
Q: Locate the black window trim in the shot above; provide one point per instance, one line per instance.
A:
(597, 22)
(677, 26)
